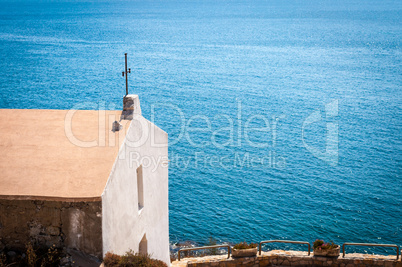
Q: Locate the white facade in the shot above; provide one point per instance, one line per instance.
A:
(135, 212)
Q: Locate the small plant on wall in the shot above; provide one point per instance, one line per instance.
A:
(243, 249)
(321, 248)
(244, 245)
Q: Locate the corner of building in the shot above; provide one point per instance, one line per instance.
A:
(135, 211)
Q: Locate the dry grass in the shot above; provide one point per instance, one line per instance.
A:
(131, 259)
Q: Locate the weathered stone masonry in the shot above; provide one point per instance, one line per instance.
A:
(291, 258)
(76, 225)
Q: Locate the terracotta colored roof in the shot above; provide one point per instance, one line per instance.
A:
(57, 154)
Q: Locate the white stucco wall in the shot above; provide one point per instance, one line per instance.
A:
(123, 226)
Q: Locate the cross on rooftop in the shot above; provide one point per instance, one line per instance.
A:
(126, 73)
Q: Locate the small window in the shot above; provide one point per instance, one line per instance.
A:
(143, 247)
(140, 188)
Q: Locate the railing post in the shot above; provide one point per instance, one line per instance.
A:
(343, 251)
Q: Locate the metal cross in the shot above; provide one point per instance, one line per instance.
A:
(126, 72)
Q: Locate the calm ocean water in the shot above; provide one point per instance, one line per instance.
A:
(321, 80)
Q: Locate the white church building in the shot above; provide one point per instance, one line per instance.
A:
(95, 181)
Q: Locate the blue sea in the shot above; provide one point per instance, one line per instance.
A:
(284, 116)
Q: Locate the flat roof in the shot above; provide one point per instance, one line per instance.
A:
(57, 154)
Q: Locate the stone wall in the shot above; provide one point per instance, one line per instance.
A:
(290, 258)
(75, 225)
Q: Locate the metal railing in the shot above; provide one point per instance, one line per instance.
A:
(284, 241)
(371, 245)
(291, 242)
(207, 247)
